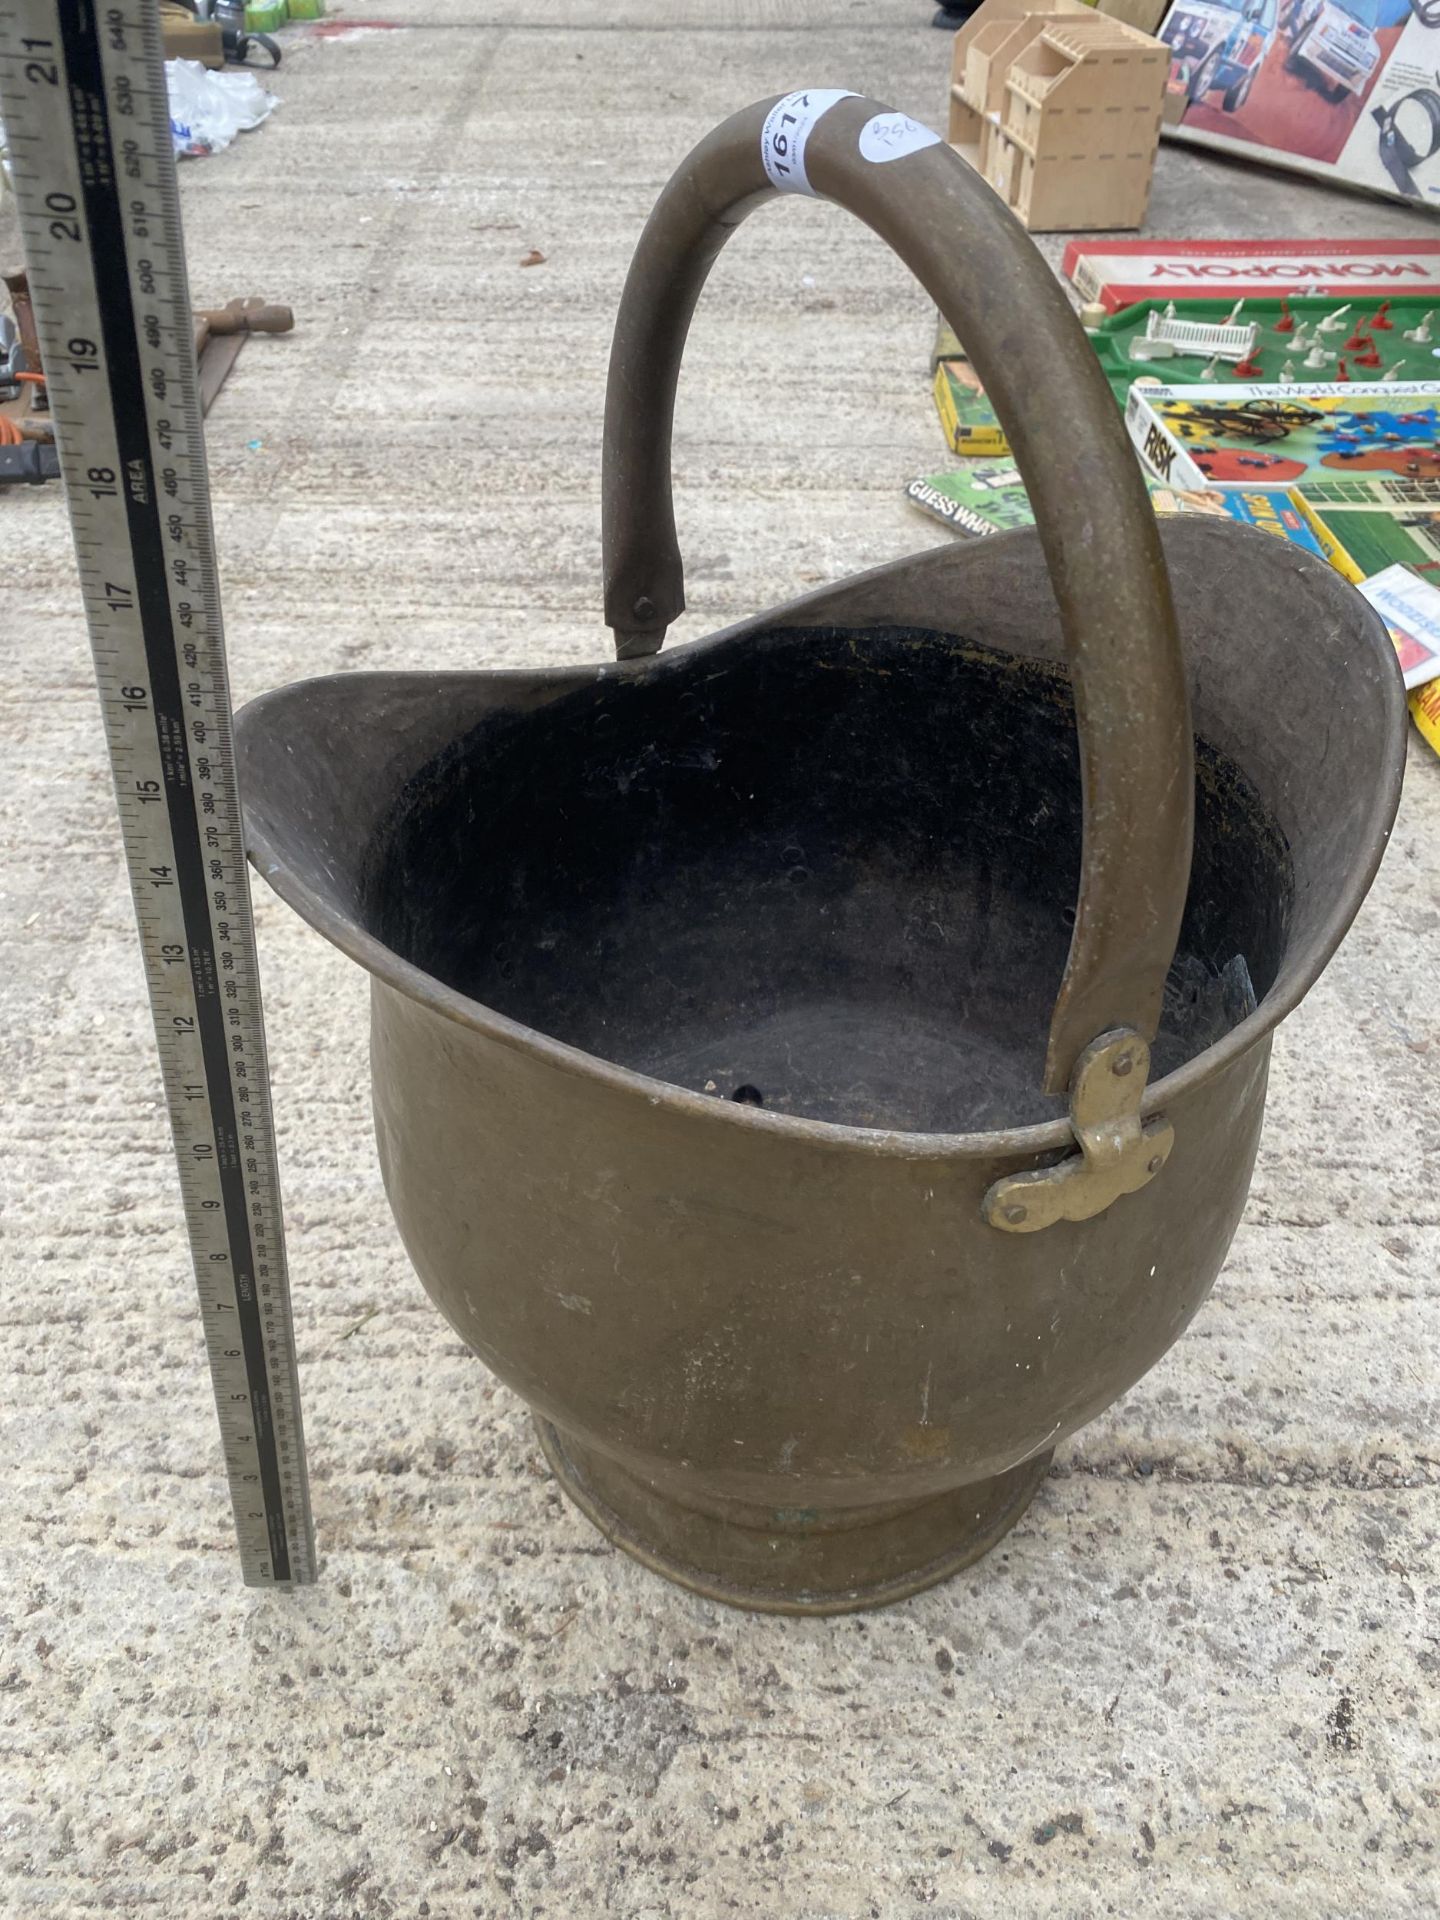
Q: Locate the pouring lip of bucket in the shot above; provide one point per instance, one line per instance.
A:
(1040, 1137)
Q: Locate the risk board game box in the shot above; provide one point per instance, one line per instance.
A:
(1287, 436)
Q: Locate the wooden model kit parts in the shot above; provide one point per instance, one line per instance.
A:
(1059, 108)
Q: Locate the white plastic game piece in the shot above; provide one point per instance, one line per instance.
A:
(1421, 334)
(1195, 339)
(1392, 373)
(1300, 337)
(1210, 369)
(1232, 318)
(1317, 356)
(1335, 322)
(1287, 374)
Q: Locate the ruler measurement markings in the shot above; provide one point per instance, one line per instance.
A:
(118, 346)
(252, 1170)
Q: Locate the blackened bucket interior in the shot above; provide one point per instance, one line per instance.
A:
(829, 873)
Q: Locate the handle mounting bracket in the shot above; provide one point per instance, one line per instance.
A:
(1119, 1153)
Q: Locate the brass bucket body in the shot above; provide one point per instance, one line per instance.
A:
(711, 989)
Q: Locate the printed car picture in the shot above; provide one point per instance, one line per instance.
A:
(1307, 81)
(1220, 45)
(1333, 44)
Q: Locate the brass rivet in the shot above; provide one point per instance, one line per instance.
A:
(1157, 1163)
(1014, 1215)
(1123, 1065)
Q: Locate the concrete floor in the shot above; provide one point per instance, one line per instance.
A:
(1197, 1680)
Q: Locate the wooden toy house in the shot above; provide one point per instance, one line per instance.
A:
(1060, 110)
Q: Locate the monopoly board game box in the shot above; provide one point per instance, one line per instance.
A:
(1286, 435)
(1118, 273)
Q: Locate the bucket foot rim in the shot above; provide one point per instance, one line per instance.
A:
(793, 1572)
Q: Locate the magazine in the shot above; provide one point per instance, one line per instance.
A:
(1344, 89)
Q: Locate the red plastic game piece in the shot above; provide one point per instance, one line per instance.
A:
(1286, 322)
(1371, 356)
(1380, 320)
(1247, 368)
(1358, 339)
(1342, 372)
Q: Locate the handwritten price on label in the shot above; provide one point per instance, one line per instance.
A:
(788, 125)
(890, 136)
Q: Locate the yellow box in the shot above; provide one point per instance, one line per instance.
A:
(1329, 545)
(965, 414)
(1425, 712)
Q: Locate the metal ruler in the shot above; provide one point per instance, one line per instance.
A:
(82, 94)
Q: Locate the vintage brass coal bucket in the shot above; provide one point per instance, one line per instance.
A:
(711, 991)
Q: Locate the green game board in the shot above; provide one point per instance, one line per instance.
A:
(969, 422)
(1380, 521)
(1418, 360)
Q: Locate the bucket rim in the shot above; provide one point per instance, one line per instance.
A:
(414, 984)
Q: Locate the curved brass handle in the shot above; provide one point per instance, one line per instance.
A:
(1066, 433)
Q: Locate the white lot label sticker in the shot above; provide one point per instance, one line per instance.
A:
(890, 136)
(787, 128)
